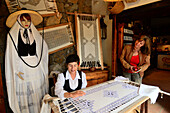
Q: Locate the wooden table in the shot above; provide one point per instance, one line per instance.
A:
(143, 102)
(128, 106)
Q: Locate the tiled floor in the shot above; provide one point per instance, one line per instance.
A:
(160, 78)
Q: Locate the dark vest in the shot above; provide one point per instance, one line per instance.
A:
(25, 49)
(67, 86)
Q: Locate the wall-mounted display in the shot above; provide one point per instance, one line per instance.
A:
(88, 35)
(164, 61)
(42, 6)
(58, 37)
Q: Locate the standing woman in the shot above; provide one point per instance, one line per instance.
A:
(135, 58)
(26, 62)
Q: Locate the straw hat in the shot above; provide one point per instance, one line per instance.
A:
(36, 18)
(116, 7)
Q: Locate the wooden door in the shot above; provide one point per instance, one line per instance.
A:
(114, 48)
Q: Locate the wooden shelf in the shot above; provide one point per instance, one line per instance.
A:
(127, 41)
(127, 34)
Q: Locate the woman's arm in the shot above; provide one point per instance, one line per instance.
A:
(122, 58)
(59, 91)
(146, 64)
(84, 81)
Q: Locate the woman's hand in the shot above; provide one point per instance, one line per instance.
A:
(135, 69)
(77, 93)
(132, 69)
(74, 94)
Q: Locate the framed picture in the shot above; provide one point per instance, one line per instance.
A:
(88, 38)
(42, 6)
(58, 37)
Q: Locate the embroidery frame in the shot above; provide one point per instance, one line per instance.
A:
(88, 37)
(58, 37)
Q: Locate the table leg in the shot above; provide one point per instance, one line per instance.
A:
(146, 106)
(141, 108)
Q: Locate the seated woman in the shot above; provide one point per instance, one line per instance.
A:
(135, 58)
(70, 82)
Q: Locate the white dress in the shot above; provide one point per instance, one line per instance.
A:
(25, 96)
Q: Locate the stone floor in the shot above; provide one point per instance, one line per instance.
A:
(160, 78)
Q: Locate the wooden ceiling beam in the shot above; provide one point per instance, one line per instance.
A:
(153, 10)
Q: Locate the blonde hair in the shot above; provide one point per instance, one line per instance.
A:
(146, 49)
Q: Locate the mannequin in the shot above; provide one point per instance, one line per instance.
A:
(26, 62)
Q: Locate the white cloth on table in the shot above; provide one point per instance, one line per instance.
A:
(121, 79)
(59, 91)
(25, 95)
(150, 91)
(46, 108)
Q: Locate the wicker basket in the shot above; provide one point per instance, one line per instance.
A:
(115, 7)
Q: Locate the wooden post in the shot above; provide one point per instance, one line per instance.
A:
(146, 106)
(101, 51)
(141, 108)
(120, 38)
(114, 48)
(2, 103)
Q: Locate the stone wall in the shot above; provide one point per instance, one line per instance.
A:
(57, 60)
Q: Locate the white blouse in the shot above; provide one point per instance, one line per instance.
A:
(59, 91)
